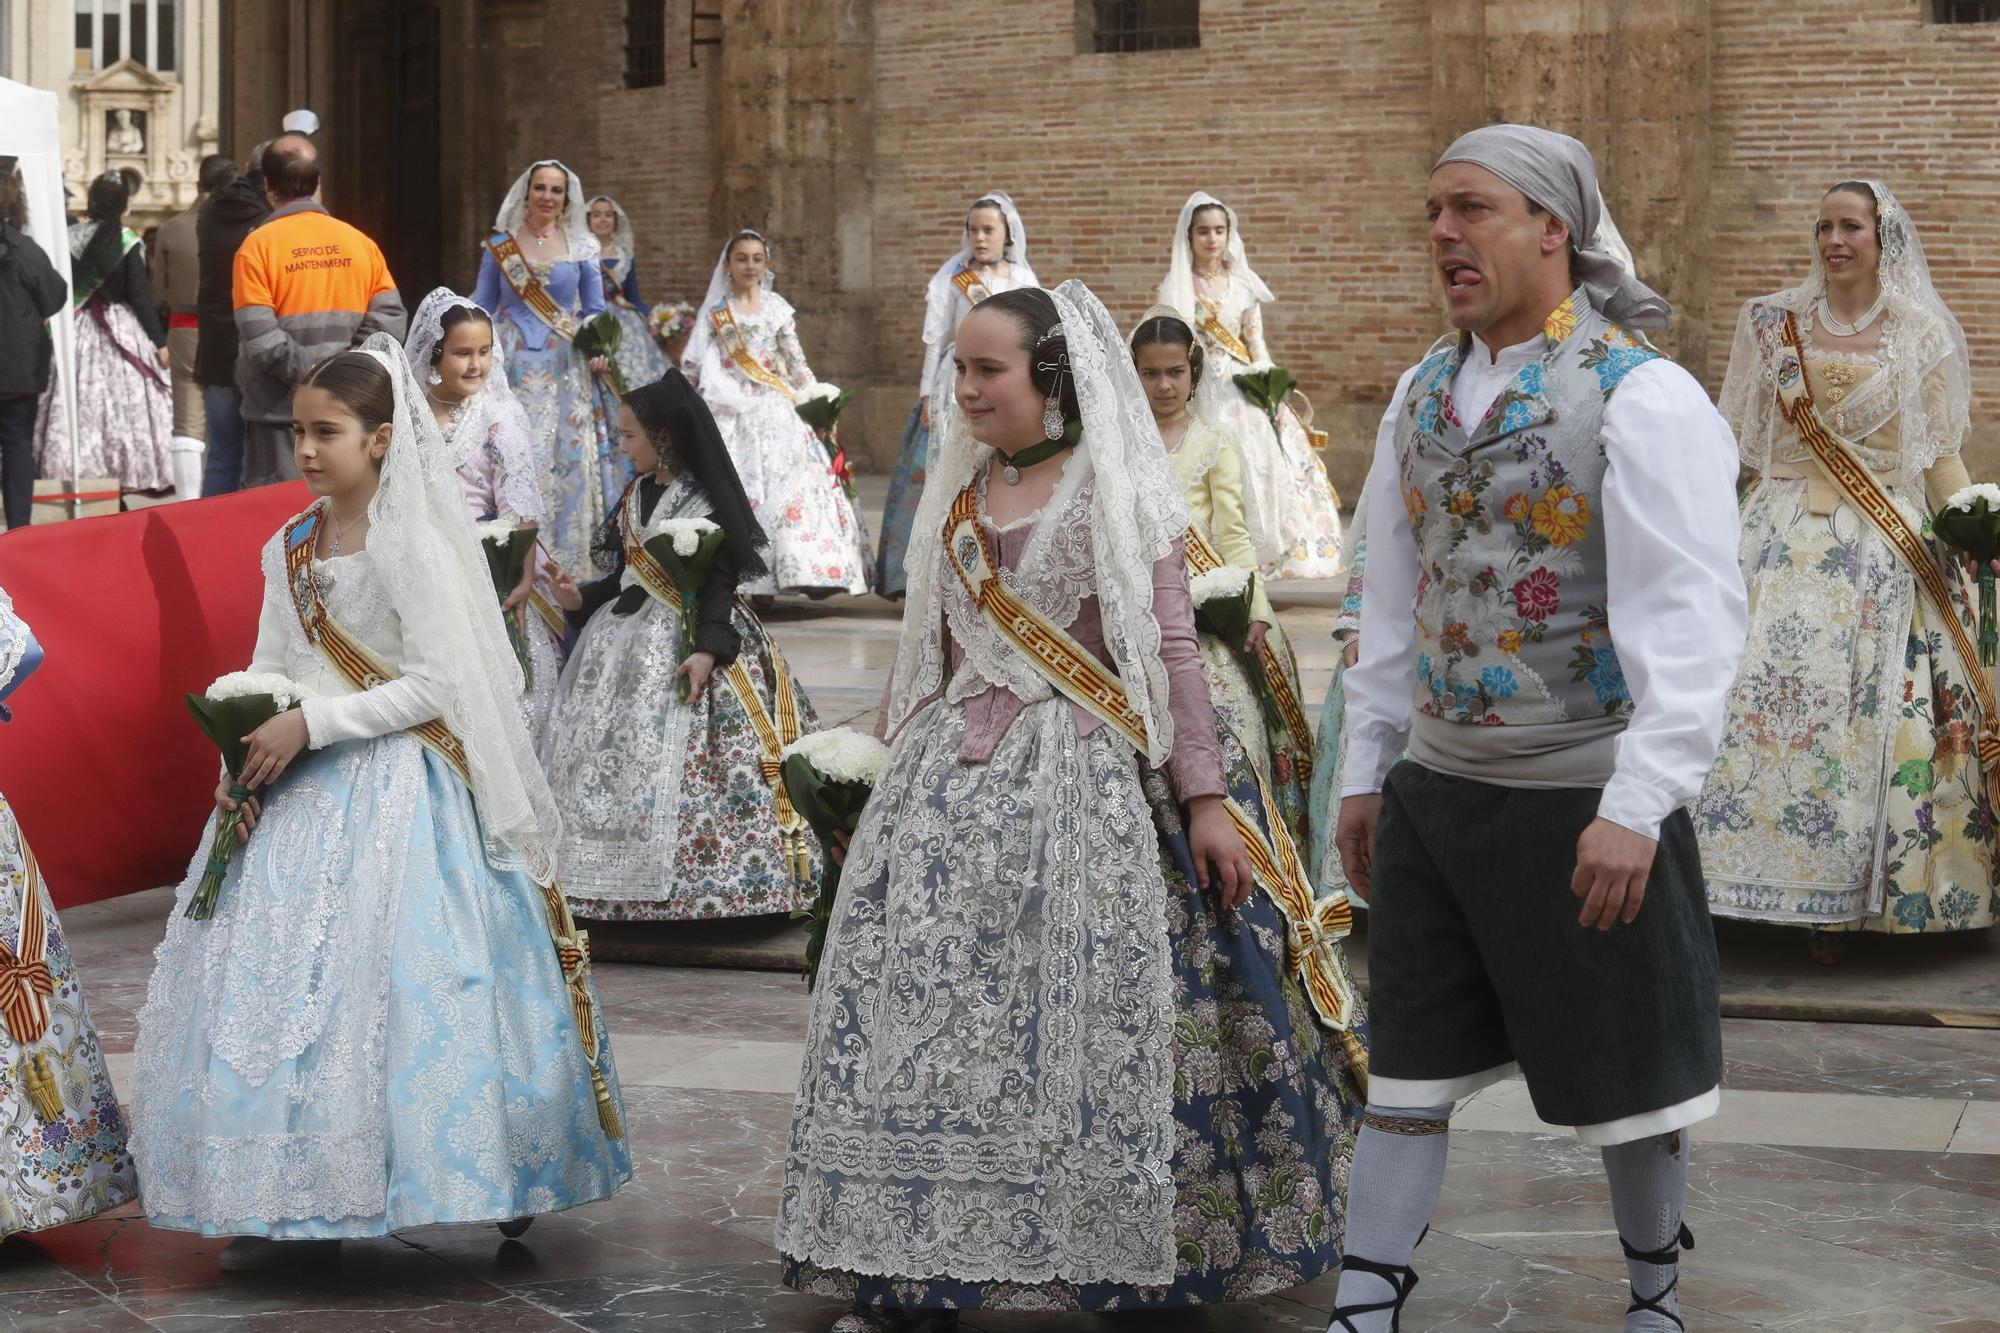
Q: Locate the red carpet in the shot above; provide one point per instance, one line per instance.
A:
(109, 776)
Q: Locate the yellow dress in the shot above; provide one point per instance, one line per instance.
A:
(1208, 463)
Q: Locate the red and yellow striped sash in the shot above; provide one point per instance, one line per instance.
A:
(1201, 558)
(506, 252)
(730, 338)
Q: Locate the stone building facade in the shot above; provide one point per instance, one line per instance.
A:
(140, 82)
(853, 134)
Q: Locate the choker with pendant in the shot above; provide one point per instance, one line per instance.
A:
(1011, 464)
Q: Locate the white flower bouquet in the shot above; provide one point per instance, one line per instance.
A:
(1969, 524)
(1222, 599)
(686, 548)
(229, 710)
(829, 776)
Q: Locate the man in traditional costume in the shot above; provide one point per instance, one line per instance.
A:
(1551, 622)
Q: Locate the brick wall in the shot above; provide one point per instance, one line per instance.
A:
(1311, 120)
(1909, 102)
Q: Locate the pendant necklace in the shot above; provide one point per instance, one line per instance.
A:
(1011, 464)
(338, 530)
(1840, 330)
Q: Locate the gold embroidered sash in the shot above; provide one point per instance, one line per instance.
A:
(773, 734)
(361, 668)
(1312, 927)
(1865, 493)
(970, 285)
(26, 986)
(1209, 321)
(1201, 558)
(506, 252)
(729, 337)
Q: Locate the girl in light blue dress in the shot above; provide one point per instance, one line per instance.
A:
(375, 1029)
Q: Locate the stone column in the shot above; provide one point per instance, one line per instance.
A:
(795, 142)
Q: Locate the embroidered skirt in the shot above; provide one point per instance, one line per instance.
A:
(667, 815)
(585, 472)
(124, 409)
(1025, 1012)
(75, 1165)
(372, 1032)
(1847, 792)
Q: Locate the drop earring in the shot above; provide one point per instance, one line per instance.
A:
(435, 377)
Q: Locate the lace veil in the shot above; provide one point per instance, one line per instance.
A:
(622, 239)
(493, 412)
(1137, 512)
(423, 548)
(938, 292)
(575, 225)
(718, 288)
(1177, 288)
(1926, 371)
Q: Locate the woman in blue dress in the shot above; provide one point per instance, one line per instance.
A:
(639, 357)
(386, 1022)
(538, 272)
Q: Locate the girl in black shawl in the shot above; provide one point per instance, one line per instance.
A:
(669, 811)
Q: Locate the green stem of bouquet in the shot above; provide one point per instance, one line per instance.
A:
(202, 906)
(519, 638)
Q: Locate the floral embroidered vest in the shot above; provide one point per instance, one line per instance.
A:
(1511, 625)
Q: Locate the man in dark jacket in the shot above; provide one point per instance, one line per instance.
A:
(30, 292)
(227, 216)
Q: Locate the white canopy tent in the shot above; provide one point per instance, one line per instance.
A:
(28, 131)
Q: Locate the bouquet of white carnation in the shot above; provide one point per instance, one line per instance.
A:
(229, 710)
(1222, 599)
(819, 406)
(685, 548)
(1969, 524)
(829, 776)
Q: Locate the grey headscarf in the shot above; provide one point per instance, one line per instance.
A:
(1558, 173)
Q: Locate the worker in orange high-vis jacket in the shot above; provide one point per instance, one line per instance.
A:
(306, 285)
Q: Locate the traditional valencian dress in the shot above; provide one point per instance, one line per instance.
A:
(749, 367)
(669, 809)
(124, 408)
(538, 306)
(375, 1029)
(639, 357)
(953, 290)
(62, 1138)
(1849, 794)
(1043, 1071)
(1297, 524)
(1276, 735)
(500, 473)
